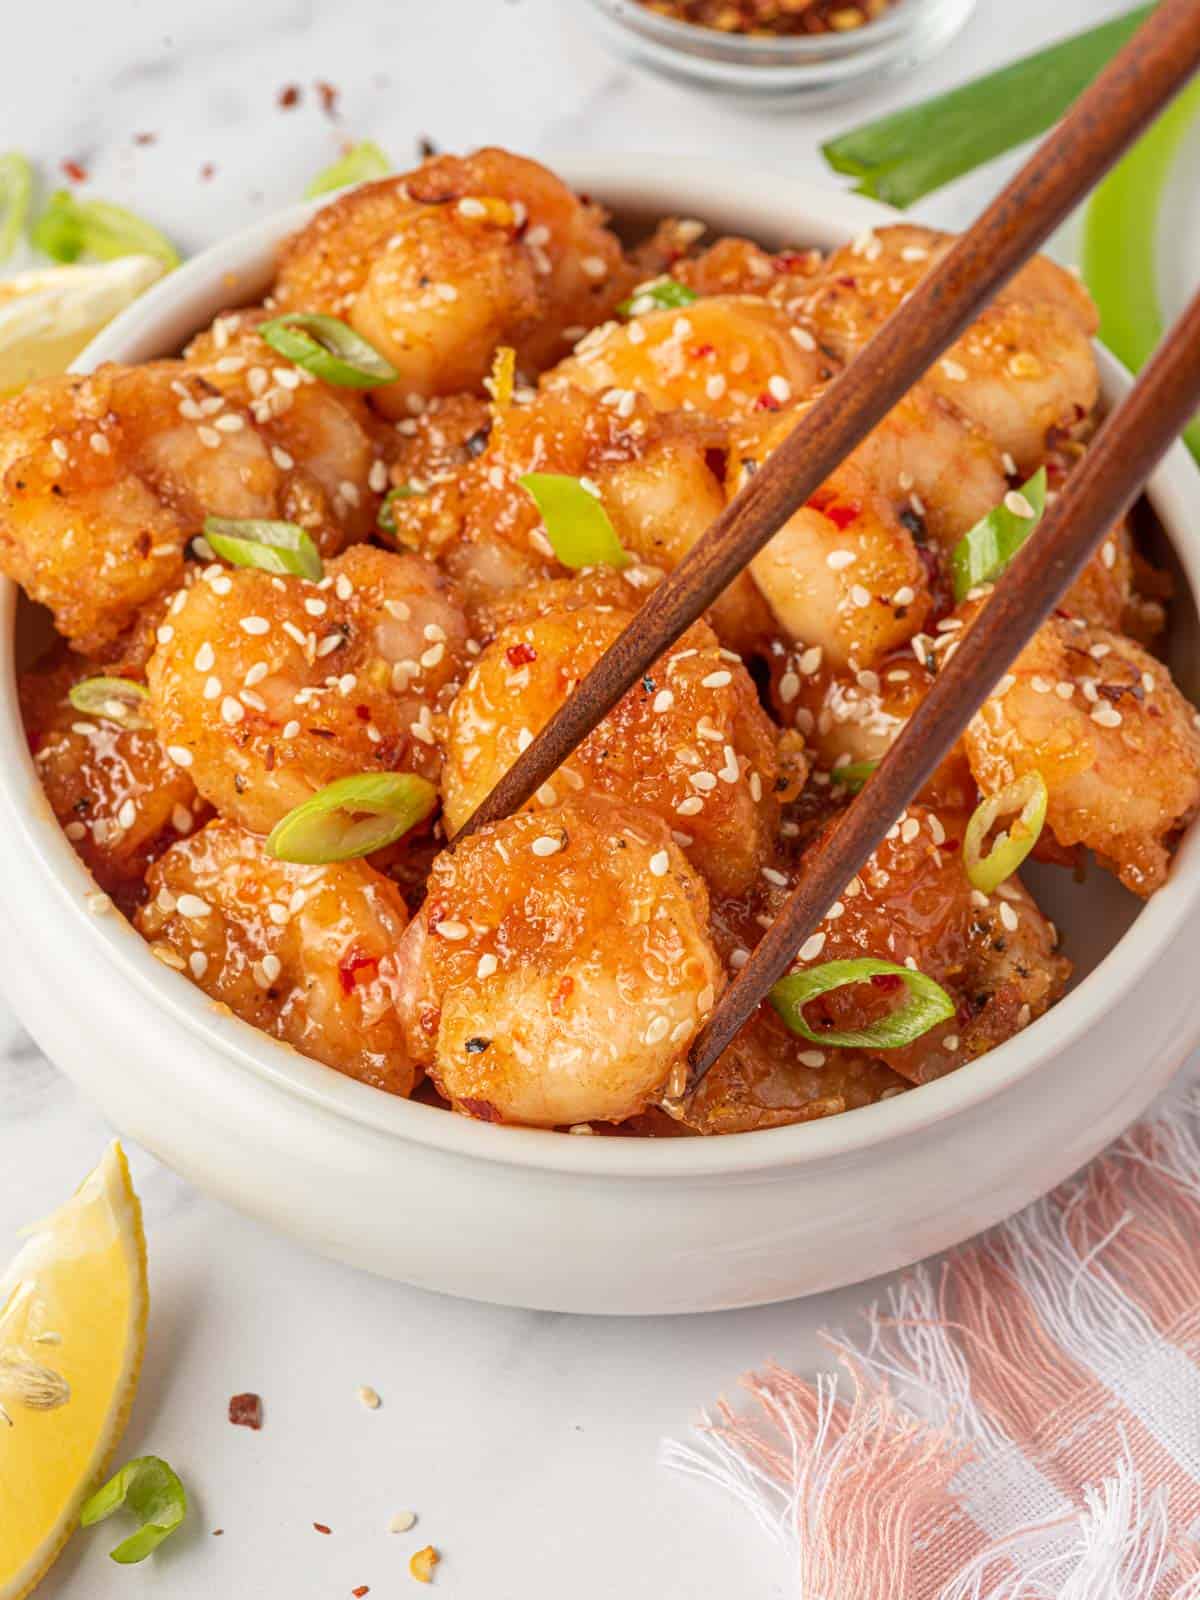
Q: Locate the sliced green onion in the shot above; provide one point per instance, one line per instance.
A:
(328, 348)
(853, 775)
(153, 1493)
(16, 192)
(1028, 798)
(352, 817)
(927, 1004)
(68, 229)
(663, 294)
(577, 524)
(281, 547)
(365, 160)
(982, 554)
(119, 700)
(1120, 242)
(911, 153)
(387, 514)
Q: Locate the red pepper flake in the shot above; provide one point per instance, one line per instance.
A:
(351, 965)
(245, 1410)
(145, 138)
(321, 1528)
(793, 261)
(360, 1591)
(288, 96)
(840, 512)
(74, 171)
(520, 655)
(887, 981)
(766, 402)
(481, 1110)
(217, 1532)
(329, 97)
(699, 351)
(207, 171)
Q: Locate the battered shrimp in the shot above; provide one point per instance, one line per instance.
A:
(439, 266)
(843, 574)
(729, 356)
(1116, 742)
(105, 479)
(657, 476)
(560, 966)
(913, 905)
(1023, 368)
(120, 801)
(266, 689)
(690, 743)
(307, 954)
(321, 436)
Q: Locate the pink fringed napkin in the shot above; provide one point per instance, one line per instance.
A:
(1020, 1421)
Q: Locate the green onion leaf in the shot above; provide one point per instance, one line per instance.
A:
(926, 1006)
(1120, 238)
(387, 515)
(853, 775)
(662, 294)
(16, 192)
(119, 700)
(352, 817)
(364, 161)
(983, 553)
(280, 547)
(68, 229)
(329, 349)
(1028, 798)
(577, 524)
(911, 153)
(150, 1490)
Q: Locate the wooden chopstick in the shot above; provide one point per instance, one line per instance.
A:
(1136, 85)
(1129, 444)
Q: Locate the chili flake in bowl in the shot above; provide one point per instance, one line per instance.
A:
(776, 51)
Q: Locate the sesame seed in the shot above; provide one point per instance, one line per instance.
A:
(691, 806)
(1039, 685)
(704, 781)
(756, 788)
(779, 879)
(1005, 684)
(936, 830)
(860, 597)
(789, 687)
(524, 739)
(1108, 554)
(291, 729)
(59, 449)
(255, 625)
(487, 964)
(954, 370)
(98, 903)
(950, 1042)
(663, 701)
(99, 444)
(812, 947)
(205, 657)
(546, 845)
(316, 607)
(180, 755)
(1064, 690)
(657, 1031)
(367, 1396)
(811, 1058)
(231, 422)
(451, 930)
(803, 338)
(1016, 502)
(272, 967)
(330, 643)
(402, 1521)
(1008, 917)
(715, 387)
(75, 831)
(198, 962)
(191, 905)
(212, 688)
(904, 596)
(231, 711)
(209, 437)
(779, 389)
(1107, 716)
(836, 560)
(432, 656)
(659, 863)
(909, 830)
(127, 815)
(546, 795)
(716, 680)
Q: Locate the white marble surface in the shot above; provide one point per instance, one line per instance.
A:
(526, 1442)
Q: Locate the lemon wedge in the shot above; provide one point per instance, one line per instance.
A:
(47, 316)
(72, 1330)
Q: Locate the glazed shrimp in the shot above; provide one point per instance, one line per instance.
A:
(266, 689)
(690, 744)
(843, 574)
(118, 798)
(105, 479)
(560, 966)
(1115, 741)
(729, 356)
(657, 476)
(323, 437)
(307, 954)
(438, 267)
(1023, 368)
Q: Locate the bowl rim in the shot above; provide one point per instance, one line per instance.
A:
(790, 209)
(693, 41)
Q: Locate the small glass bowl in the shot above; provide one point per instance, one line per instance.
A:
(779, 71)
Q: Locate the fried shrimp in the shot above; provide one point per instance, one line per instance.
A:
(307, 954)
(266, 689)
(690, 743)
(1115, 741)
(439, 266)
(560, 966)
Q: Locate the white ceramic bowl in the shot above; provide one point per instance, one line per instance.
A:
(598, 1225)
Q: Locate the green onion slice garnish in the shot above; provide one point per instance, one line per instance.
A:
(853, 775)
(926, 1006)
(352, 817)
(152, 1492)
(1027, 797)
(280, 547)
(16, 192)
(910, 153)
(69, 228)
(982, 554)
(662, 294)
(387, 514)
(328, 348)
(577, 524)
(119, 700)
(364, 161)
